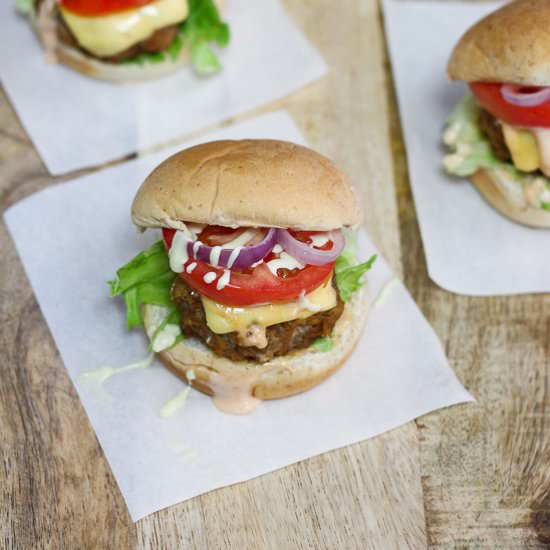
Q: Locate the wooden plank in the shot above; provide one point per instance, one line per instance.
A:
(485, 469)
(57, 484)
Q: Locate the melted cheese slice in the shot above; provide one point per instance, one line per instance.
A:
(523, 147)
(107, 35)
(223, 319)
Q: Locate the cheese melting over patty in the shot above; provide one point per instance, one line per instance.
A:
(223, 319)
(107, 35)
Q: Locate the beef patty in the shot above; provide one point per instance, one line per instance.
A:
(281, 338)
(493, 130)
(157, 42)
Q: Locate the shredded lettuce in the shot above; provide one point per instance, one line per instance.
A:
(323, 344)
(202, 28)
(471, 150)
(25, 7)
(545, 205)
(146, 279)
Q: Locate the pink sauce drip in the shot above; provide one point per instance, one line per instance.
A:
(234, 395)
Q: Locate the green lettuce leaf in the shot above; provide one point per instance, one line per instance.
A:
(202, 28)
(322, 344)
(349, 277)
(146, 279)
(26, 7)
(471, 150)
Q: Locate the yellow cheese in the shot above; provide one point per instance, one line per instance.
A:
(223, 319)
(107, 35)
(523, 148)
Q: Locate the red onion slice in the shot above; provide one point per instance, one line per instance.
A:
(522, 96)
(308, 255)
(240, 257)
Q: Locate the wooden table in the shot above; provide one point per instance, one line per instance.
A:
(470, 477)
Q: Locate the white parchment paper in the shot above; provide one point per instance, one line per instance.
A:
(470, 248)
(75, 122)
(398, 371)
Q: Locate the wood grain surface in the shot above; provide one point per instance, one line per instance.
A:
(468, 477)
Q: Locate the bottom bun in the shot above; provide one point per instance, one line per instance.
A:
(495, 188)
(118, 72)
(238, 386)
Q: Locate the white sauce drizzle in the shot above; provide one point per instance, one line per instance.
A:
(178, 252)
(215, 255)
(196, 246)
(241, 240)
(233, 256)
(285, 261)
(191, 267)
(320, 239)
(166, 337)
(277, 249)
(209, 277)
(95, 379)
(237, 244)
(223, 281)
(178, 401)
(385, 292)
(306, 304)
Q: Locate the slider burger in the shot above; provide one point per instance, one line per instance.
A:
(252, 293)
(125, 40)
(500, 134)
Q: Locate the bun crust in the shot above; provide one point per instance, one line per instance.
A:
(510, 45)
(247, 183)
(119, 73)
(282, 377)
(486, 182)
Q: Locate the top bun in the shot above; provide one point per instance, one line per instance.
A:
(510, 45)
(250, 183)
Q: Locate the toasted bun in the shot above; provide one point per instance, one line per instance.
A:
(118, 72)
(510, 45)
(487, 183)
(281, 377)
(247, 183)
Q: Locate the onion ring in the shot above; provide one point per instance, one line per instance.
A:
(308, 255)
(514, 95)
(239, 257)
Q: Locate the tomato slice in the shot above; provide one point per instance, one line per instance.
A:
(101, 7)
(253, 286)
(489, 97)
